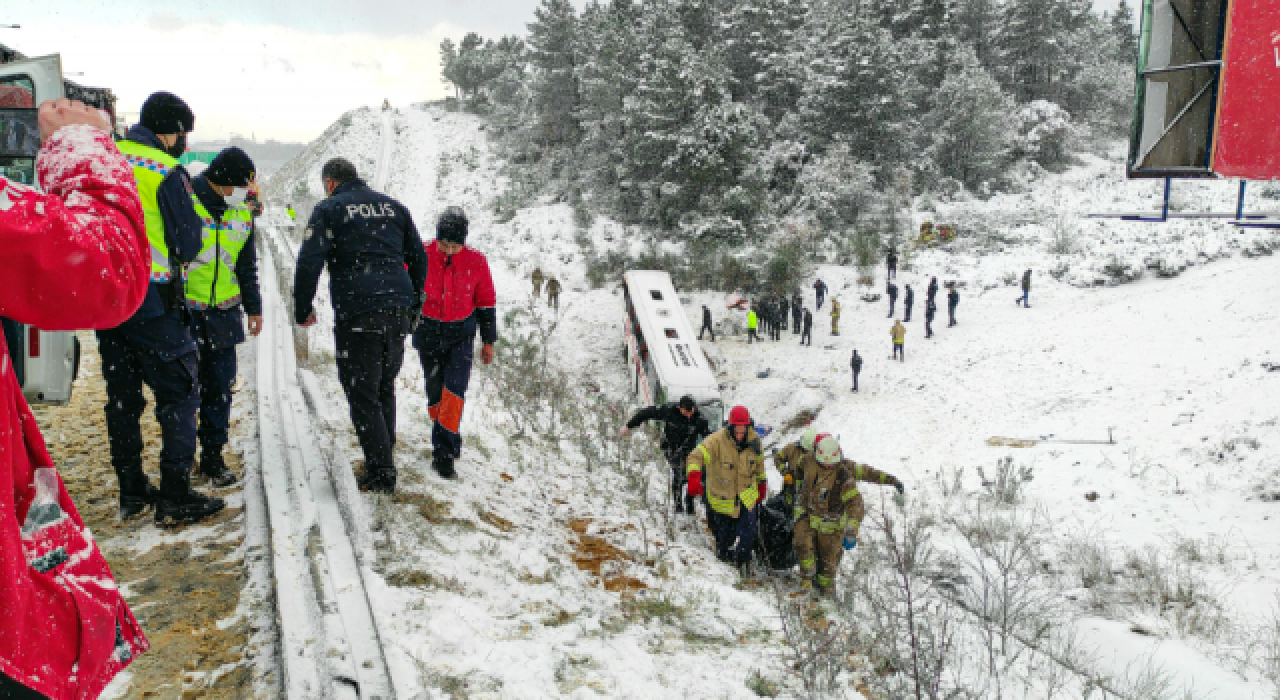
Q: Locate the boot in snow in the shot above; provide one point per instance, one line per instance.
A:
(378, 480)
(444, 467)
(136, 491)
(179, 505)
(215, 469)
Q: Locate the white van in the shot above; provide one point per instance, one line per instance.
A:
(45, 362)
(661, 350)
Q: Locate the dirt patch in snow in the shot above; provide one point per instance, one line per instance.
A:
(597, 556)
(180, 583)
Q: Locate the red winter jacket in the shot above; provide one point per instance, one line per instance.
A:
(458, 286)
(76, 257)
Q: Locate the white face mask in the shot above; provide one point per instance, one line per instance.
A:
(236, 198)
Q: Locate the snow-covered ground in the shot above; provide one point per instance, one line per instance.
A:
(484, 587)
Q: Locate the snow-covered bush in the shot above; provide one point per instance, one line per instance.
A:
(837, 188)
(1042, 132)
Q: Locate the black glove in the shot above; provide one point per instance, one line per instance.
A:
(902, 490)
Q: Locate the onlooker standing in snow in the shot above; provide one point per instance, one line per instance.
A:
(891, 290)
(1025, 300)
(377, 269)
(553, 292)
(753, 322)
(908, 300)
(706, 324)
(891, 262)
(899, 335)
(778, 312)
(933, 289)
(855, 363)
(820, 291)
(67, 630)
(797, 312)
(930, 309)
(806, 338)
(953, 300)
(537, 278)
(835, 317)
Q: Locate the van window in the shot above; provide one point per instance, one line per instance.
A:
(671, 333)
(657, 295)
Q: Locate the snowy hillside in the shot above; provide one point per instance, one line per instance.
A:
(553, 567)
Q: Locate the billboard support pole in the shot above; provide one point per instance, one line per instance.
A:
(1164, 212)
(1240, 201)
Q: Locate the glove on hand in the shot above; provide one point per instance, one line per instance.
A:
(695, 484)
(850, 541)
(902, 490)
(764, 490)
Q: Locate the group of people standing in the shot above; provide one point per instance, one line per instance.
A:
(553, 287)
(725, 469)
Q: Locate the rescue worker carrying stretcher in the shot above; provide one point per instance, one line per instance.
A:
(829, 509)
(735, 483)
(788, 459)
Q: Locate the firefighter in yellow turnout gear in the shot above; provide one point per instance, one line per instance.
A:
(829, 509)
(788, 459)
(735, 483)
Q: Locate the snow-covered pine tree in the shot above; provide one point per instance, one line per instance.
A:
(552, 47)
(1123, 30)
(1035, 47)
(969, 128)
(607, 47)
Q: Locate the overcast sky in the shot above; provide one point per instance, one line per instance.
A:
(282, 69)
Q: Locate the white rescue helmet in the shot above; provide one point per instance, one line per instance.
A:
(809, 438)
(827, 451)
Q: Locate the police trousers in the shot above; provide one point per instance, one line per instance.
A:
(159, 353)
(370, 350)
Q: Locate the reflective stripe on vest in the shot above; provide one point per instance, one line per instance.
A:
(211, 277)
(825, 527)
(150, 167)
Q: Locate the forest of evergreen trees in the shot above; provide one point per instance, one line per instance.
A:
(715, 116)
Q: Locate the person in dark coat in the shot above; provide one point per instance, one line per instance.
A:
(891, 262)
(797, 313)
(377, 269)
(933, 289)
(1025, 299)
(683, 427)
(777, 309)
(155, 346)
(855, 363)
(908, 300)
(820, 291)
(706, 324)
(930, 309)
(891, 290)
(220, 296)
(806, 337)
(953, 300)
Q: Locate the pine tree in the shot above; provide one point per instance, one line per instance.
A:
(607, 47)
(1035, 47)
(1122, 30)
(969, 128)
(552, 45)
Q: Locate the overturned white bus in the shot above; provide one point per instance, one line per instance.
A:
(662, 353)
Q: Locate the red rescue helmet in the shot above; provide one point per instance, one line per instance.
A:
(738, 415)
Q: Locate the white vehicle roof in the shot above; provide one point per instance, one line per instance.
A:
(673, 347)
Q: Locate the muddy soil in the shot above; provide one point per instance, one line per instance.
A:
(185, 585)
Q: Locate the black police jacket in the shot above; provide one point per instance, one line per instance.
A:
(375, 256)
(679, 434)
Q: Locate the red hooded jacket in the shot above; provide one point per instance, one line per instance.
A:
(74, 257)
(458, 286)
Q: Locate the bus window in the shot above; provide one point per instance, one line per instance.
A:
(671, 333)
(713, 411)
(657, 296)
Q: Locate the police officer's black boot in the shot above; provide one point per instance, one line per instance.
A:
(178, 504)
(136, 491)
(215, 469)
(444, 467)
(378, 480)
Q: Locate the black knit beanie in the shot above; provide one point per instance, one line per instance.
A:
(166, 113)
(452, 226)
(231, 168)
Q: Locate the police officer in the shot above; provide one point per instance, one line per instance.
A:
(155, 346)
(221, 281)
(376, 271)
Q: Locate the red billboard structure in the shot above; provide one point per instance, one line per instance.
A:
(1208, 87)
